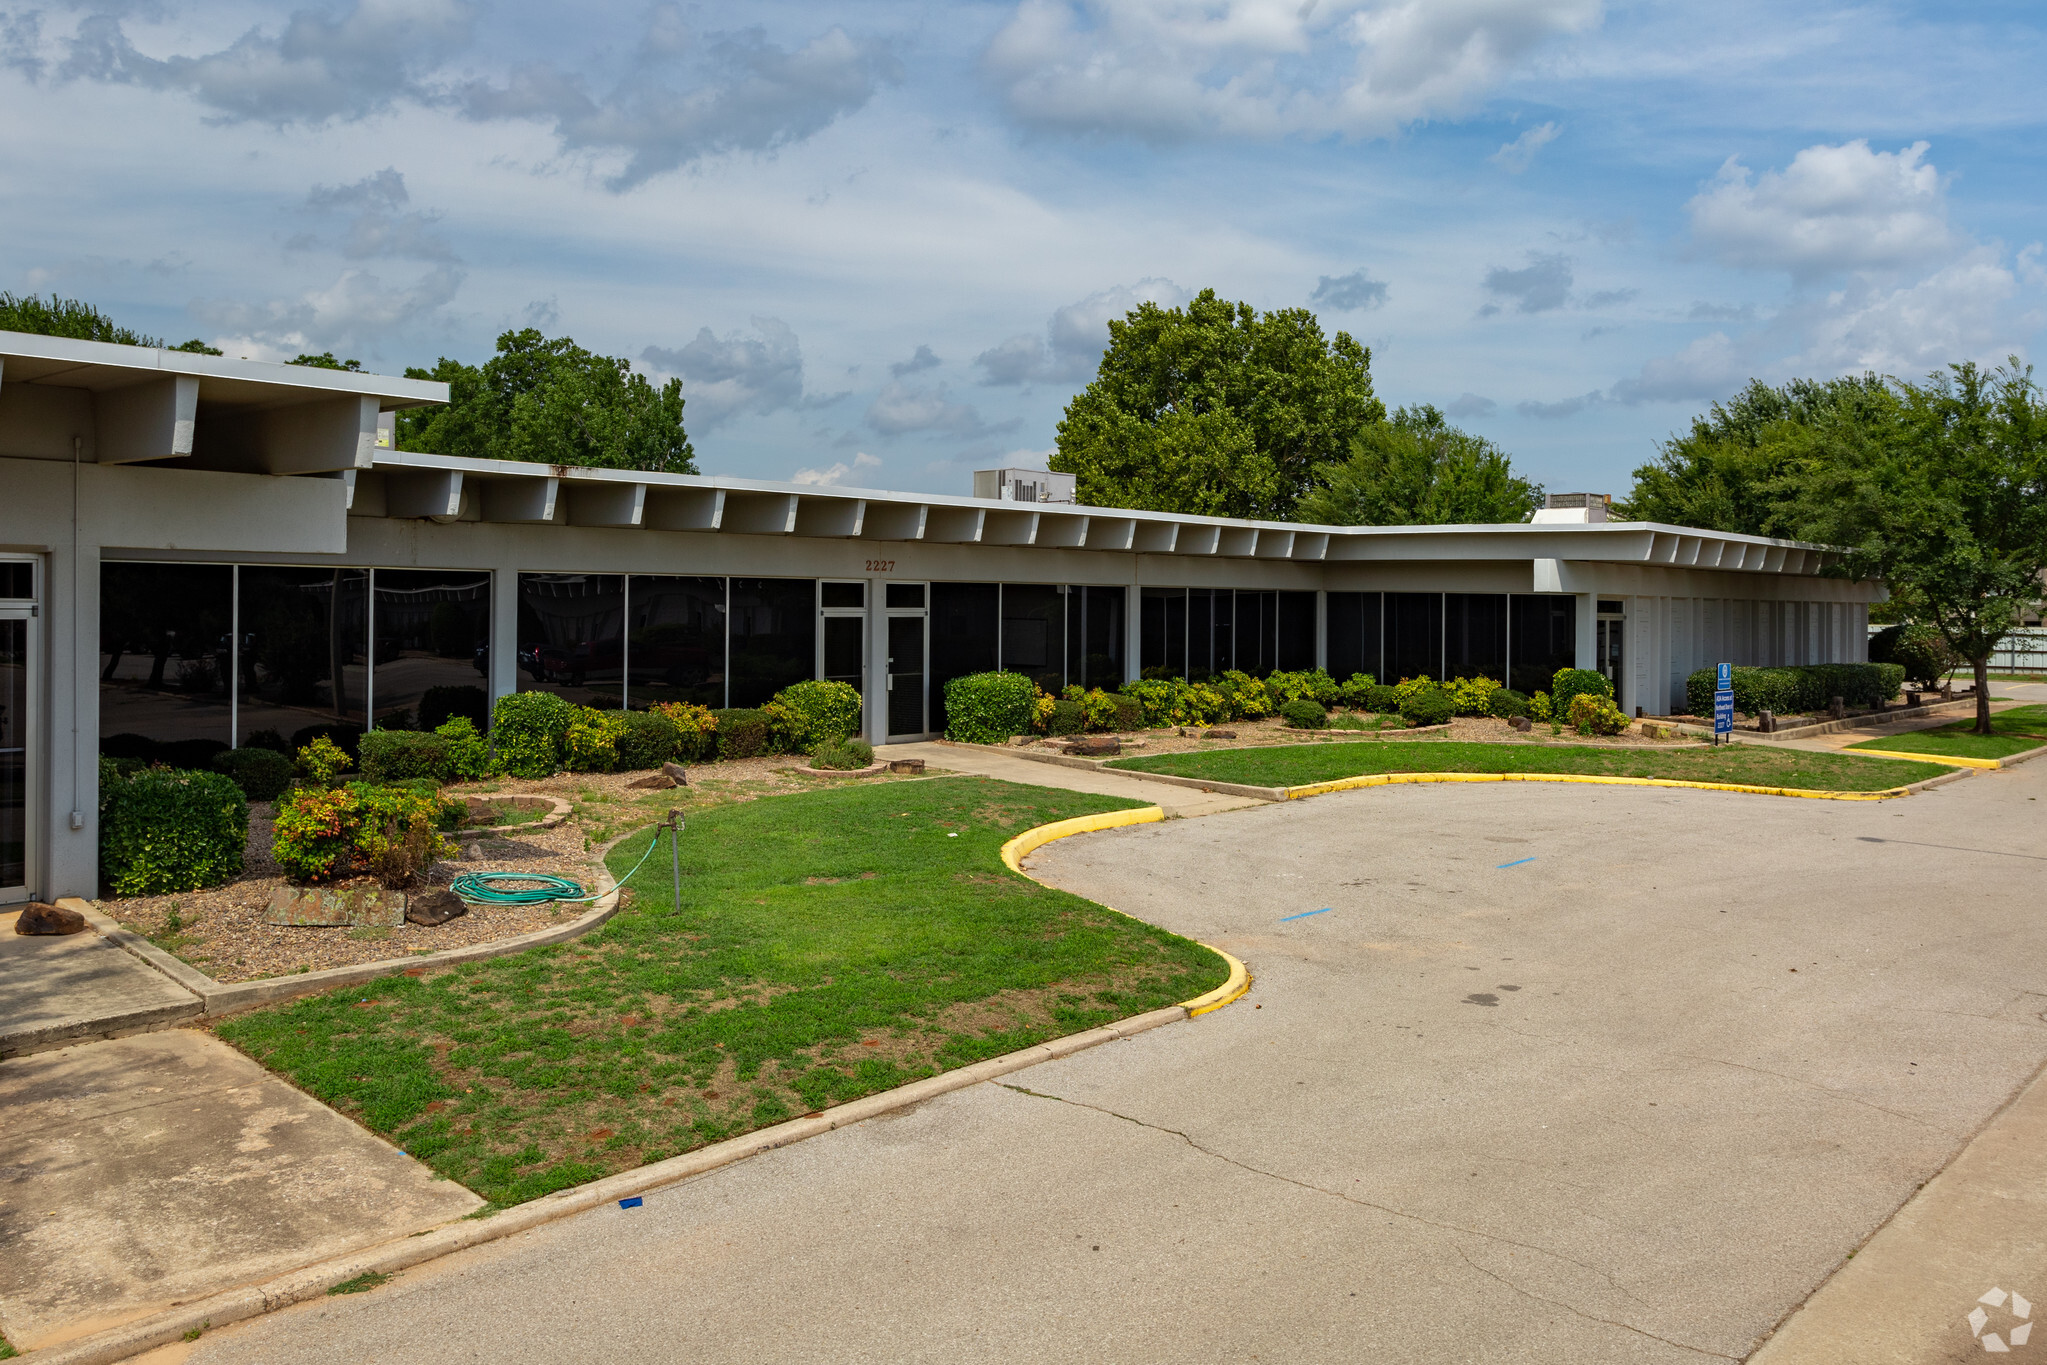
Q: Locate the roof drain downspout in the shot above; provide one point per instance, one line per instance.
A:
(77, 454)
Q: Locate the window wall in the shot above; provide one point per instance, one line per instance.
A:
(433, 646)
(966, 625)
(1475, 635)
(1034, 632)
(675, 640)
(166, 661)
(772, 636)
(1544, 639)
(1354, 634)
(1413, 635)
(1196, 633)
(572, 636)
(1094, 628)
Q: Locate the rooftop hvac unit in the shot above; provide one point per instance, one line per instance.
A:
(1023, 485)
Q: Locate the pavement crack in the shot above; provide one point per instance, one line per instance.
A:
(1333, 1194)
(1577, 1312)
(1814, 1085)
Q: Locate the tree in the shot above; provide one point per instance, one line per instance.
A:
(77, 320)
(552, 402)
(1215, 409)
(1947, 496)
(325, 361)
(1419, 470)
(1728, 472)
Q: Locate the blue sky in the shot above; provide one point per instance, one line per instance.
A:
(879, 242)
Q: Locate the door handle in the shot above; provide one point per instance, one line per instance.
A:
(891, 682)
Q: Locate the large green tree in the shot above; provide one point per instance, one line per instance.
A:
(1216, 409)
(1418, 470)
(1941, 490)
(548, 400)
(1728, 473)
(77, 320)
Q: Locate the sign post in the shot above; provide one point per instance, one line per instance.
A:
(1723, 705)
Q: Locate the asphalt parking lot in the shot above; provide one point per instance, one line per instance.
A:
(1530, 1073)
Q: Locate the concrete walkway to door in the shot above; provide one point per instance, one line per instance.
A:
(62, 989)
(1176, 801)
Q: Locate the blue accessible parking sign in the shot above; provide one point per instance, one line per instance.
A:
(1723, 702)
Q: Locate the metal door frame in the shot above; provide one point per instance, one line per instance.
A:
(887, 615)
(859, 613)
(33, 733)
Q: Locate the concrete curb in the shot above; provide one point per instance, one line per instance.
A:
(69, 1032)
(220, 999)
(1950, 760)
(313, 1281)
(869, 771)
(1399, 779)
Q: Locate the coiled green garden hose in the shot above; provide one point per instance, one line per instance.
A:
(477, 886)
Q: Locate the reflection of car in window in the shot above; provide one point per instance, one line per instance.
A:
(678, 655)
(571, 663)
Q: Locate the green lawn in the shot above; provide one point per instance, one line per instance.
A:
(1297, 765)
(830, 945)
(2019, 729)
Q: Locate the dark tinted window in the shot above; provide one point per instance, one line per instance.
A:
(304, 659)
(843, 594)
(1034, 633)
(1098, 627)
(1211, 617)
(165, 661)
(906, 594)
(17, 578)
(772, 633)
(964, 621)
(1475, 635)
(1414, 635)
(1296, 649)
(675, 640)
(1163, 633)
(1544, 640)
(433, 647)
(572, 636)
(1353, 634)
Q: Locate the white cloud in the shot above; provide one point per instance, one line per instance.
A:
(1712, 366)
(1832, 209)
(378, 227)
(1514, 157)
(1540, 286)
(1075, 336)
(1355, 292)
(316, 68)
(721, 378)
(1956, 313)
(835, 475)
(740, 93)
(1264, 68)
(355, 313)
(900, 409)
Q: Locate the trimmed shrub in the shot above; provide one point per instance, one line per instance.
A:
(343, 737)
(1471, 696)
(987, 708)
(262, 774)
(1382, 699)
(1922, 651)
(1540, 707)
(439, 705)
(650, 739)
(127, 745)
(1067, 718)
(1243, 694)
(1807, 687)
(1303, 714)
(1426, 706)
(528, 730)
(469, 757)
(321, 761)
(742, 732)
(1158, 698)
(1593, 714)
(696, 729)
(590, 744)
(1097, 709)
(1505, 702)
(1356, 691)
(1570, 682)
(1314, 685)
(323, 834)
(1126, 712)
(819, 711)
(842, 755)
(1411, 687)
(170, 830)
(392, 755)
(267, 739)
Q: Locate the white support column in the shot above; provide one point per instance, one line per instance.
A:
(1322, 630)
(1586, 635)
(504, 631)
(874, 705)
(1133, 632)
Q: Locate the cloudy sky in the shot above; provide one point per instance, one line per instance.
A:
(878, 242)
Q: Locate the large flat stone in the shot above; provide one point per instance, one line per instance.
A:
(58, 990)
(146, 1171)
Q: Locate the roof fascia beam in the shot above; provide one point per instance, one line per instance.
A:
(955, 525)
(683, 509)
(1156, 537)
(760, 514)
(152, 420)
(317, 437)
(1111, 533)
(521, 500)
(1311, 545)
(1004, 527)
(894, 521)
(1237, 542)
(1197, 539)
(607, 503)
(1061, 531)
(1274, 544)
(830, 518)
(419, 492)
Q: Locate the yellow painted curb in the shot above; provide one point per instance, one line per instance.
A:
(1023, 845)
(1394, 779)
(1949, 759)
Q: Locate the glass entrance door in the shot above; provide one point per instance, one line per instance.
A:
(1608, 659)
(17, 678)
(907, 703)
(842, 637)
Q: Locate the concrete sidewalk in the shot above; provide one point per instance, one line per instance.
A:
(62, 989)
(1175, 801)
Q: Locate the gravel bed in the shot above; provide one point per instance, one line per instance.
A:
(1269, 731)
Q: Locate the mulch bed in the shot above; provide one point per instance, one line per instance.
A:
(1270, 730)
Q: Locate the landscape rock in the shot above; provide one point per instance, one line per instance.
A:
(327, 907)
(1521, 723)
(653, 782)
(676, 773)
(906, 765)
(39, 918)
(437, 906)
(1095, 746)
(472, 853)
(1220, 734)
